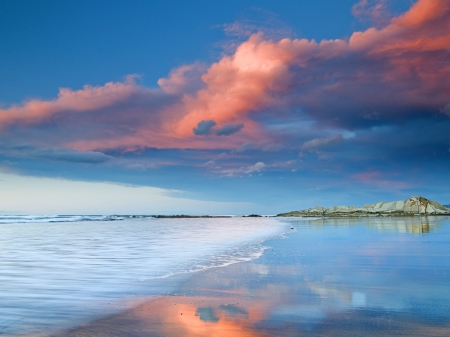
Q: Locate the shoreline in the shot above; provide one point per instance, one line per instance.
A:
(361, 216)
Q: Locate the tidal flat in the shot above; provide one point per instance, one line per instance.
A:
(325, 277)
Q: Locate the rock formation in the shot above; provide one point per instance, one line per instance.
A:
(412, 206)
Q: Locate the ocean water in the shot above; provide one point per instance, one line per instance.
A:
(61, 271)
(329, 277)
(308, 277)
(377, 267)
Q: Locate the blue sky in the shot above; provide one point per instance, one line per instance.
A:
(222, 107)
(50, 44)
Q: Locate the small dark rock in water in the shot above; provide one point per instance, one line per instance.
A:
(292, 227)
(253, 216)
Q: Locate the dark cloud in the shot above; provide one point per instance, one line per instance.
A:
(446, 109)
(72, 156)
(229, 129)
(54, 154)
(204, 128)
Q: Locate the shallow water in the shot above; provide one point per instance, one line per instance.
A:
(58, 274)
(331, 277)
(324, 277)
(378, 267)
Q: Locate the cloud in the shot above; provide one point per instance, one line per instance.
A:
(237, 85)
(72, 156)
(184, 79)
(393, 71)
(240, 29)
(258, 167)
(204, 128)
(318, 143)
(54, 154)
(446, 109)
(379, 77)
(245, 147)
(243, 170)
(85, 100)
(229, 129)
(374, 11)
(259, 20)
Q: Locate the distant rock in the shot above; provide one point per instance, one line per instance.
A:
(409, 207)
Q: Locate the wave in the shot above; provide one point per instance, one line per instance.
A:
(230, 256)
(58, 218)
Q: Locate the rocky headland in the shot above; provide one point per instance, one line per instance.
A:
(410, 207)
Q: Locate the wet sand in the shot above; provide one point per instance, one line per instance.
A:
(287, 292)
(215, 304)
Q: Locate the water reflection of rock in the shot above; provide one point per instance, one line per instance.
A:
(416, 225)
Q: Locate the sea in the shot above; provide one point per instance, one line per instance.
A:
(309, 275)
(60, 271)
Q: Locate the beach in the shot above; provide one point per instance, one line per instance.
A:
(59, 275)
(327, 277)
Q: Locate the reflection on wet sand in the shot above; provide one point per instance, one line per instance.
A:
(335, 283)
(273, 309)
(179, 316)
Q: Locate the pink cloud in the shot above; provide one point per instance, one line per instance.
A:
(400, 61)
(237, 85)
(182, 79)
(399, 71)
(87, 99)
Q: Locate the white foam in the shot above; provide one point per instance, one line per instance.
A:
(4, 219)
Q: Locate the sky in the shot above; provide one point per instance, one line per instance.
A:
(208, 107)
